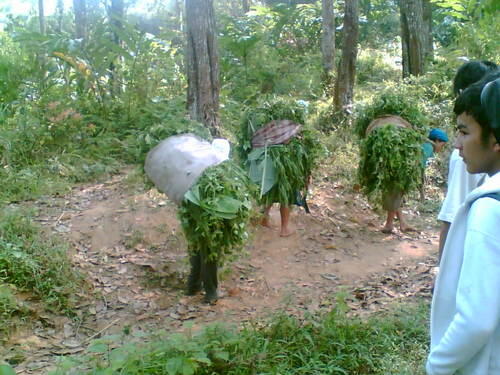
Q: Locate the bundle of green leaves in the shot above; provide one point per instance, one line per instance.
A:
(269, 109)
(394, 100)
(391, 158)
(215, 211)
(290, 164)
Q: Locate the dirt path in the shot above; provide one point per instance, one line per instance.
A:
(130, 247)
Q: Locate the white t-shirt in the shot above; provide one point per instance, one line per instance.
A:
(460, 184)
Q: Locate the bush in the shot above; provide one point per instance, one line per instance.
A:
(35, 262)
(330, 343)
(374, 66)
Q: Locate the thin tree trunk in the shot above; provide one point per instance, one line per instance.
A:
(412, 31)
(246, 6)
(59, 14)
(80, 10)
(116, 13)
(428, 39)
(41, 17)
(202, 64)
(344, 85)
(328, 39)
(178, 11)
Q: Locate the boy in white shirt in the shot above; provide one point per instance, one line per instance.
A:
(465, 314)
(460, 182)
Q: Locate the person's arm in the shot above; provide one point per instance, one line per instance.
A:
(445, 227)
(477, 305)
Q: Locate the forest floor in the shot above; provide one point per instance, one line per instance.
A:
(128, 245)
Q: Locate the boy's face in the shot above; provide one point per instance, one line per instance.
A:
(480, 157)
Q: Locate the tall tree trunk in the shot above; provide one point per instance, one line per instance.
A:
(202, 64)
(41, 17)
(246, 5)
(59, 15)
(328, 39)
(412, 31)
(428, 39)
(178, 11)
(116, 13)
(80, 9)
(344, 86)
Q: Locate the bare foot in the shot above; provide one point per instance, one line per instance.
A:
(407, 228)
(265, 222)
(387, 230)
(286, 232)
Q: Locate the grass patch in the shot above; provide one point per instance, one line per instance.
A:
(35, 262)
(330, 343)
(10, 309)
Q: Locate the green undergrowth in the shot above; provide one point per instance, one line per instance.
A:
(35, 263)
(328, 343)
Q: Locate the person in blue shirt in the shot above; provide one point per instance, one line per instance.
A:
(437, 140)
(436, 143)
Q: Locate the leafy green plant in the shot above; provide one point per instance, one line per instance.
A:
(394, 342)
(216, 210)
(163, 124)
(395, 99)
(390, 159)
(10, 308)
(35, 262)
(375, 66)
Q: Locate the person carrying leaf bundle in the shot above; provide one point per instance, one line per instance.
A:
(392, 158)
(279, 153)
(281, 165)
(214, 216)
(214, 198)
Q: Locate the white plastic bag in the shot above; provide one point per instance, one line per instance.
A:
(177, 162)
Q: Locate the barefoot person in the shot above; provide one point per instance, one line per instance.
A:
(465, 313)
(392, 200)
(279, 153)
(278, 140)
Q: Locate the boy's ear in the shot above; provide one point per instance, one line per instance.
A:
(496, 147)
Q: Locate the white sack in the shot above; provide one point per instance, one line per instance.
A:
(175, 164)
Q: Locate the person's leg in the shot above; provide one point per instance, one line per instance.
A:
(194, 279)
(389, 222)
(266, 219)
(209, 276)
(403, 226)
(421, 188)
(285, 221)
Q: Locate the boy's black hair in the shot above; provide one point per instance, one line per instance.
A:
(469, 101)
(471, 72)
